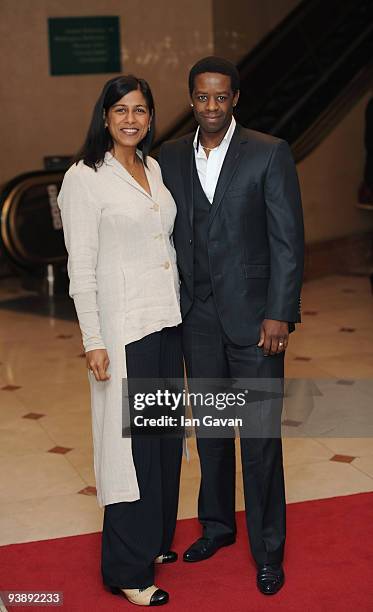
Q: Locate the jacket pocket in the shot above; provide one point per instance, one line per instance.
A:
(257, 270)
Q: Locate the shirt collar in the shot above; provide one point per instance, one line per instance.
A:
(227, 136)
(110, 159)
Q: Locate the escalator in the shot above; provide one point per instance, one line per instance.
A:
(297, 84)
(31, 227)
(305, 75)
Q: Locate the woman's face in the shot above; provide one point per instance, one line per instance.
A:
(128, 120)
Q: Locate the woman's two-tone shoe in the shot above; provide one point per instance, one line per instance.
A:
(150, 596)
(168, 557)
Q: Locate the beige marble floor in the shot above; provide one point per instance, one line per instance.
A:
(47, 481)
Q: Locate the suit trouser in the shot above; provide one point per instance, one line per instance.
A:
(135, 533)
(209, 353)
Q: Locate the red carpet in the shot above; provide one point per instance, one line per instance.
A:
(329, 563)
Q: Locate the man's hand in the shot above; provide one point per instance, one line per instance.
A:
(274, 336)
(98, 362)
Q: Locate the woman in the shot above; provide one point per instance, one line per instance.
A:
(118, 218)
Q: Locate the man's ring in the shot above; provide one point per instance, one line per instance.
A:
(281, 344)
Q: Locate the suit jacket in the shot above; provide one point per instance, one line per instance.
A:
(124, 281)
(255, 241)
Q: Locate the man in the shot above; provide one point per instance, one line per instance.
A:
(239, 243)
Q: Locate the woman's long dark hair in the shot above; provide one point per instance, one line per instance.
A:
(98, 140)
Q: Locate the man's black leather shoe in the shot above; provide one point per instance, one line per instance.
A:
(204, 548)
(270, 579)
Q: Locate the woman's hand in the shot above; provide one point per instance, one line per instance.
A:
(98, 362)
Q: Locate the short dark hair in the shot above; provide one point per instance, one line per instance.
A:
(98, 140)
(215, 64)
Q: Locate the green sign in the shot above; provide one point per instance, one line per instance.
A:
(84, 45)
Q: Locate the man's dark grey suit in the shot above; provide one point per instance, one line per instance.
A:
(240, 261)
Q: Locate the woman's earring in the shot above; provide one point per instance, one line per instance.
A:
(149, 127)
(192, 105)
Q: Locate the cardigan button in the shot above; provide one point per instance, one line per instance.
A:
(166, 265)
(155, 207)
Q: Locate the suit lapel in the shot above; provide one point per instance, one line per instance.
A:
(153, 181)
(186, 163)
(228, 169)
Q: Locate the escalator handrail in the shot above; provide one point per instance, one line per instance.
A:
(325, 76)
(314, 55)
(327, 120)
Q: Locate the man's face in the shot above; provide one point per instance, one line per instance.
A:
(213, 101)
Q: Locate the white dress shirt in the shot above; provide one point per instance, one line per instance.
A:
(209, 168)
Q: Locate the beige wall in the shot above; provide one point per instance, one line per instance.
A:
(44, 115)
(330, 178)
(236, 31)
